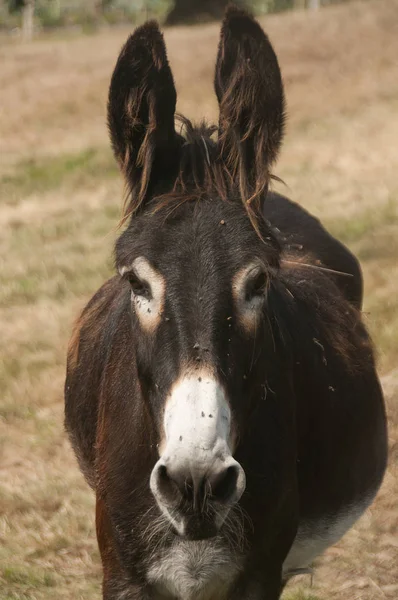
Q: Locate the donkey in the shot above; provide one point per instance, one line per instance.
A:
(221, 393)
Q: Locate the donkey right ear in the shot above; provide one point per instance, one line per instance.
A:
(141, 107)
(250, 93)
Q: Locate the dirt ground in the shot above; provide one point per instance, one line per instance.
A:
(60, 199)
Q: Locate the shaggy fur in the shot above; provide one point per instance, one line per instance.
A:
(300, 378)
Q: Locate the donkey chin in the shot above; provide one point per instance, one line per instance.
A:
(196, 497)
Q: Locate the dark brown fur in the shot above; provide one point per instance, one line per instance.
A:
(304, 394)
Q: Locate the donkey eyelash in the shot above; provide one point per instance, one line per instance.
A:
(138, 286)
(257, 285)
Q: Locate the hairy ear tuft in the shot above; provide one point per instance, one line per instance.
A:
(250, 93)
(141, 107)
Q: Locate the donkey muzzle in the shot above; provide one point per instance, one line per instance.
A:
(197, 497)
(196, 478)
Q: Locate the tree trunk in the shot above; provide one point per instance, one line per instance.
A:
(314, 4)
(188, 11)
(27, 19)
(299, 4)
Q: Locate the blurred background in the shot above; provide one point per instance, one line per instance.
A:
(30, 15)
(60, 200)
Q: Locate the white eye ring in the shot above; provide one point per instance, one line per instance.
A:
(249, 302)
(148, 290)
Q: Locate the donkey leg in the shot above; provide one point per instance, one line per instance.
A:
(117, 585)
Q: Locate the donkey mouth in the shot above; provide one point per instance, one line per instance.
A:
(197, 527)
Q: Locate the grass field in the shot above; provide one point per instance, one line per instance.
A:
(60, 200)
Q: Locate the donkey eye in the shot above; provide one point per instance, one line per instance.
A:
(138, 287)
(256, 286)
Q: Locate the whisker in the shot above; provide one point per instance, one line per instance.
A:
(233, 529)
(326, 269)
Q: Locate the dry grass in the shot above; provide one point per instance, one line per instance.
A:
(60, 198)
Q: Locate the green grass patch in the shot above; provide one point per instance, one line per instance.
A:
(299, 595)
(367, 223)
(65, 256)
(11, 411)
(53, 281)
(381, 317)
(40, 175)
(18, 596)
(27, 577)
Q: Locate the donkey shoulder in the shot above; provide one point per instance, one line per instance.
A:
(87, 353)
(298, 230)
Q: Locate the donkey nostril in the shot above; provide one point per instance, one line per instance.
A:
(224, 487)
(180, 487)
(162, 475)
(166, 486)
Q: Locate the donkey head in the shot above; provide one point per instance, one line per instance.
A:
(198, 260)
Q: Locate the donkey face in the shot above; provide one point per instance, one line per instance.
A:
(197, 261)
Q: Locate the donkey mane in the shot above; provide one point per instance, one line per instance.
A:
(202, 174)
(300, 294)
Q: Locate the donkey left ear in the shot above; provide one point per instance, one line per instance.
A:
(141, 107)
(250, 93)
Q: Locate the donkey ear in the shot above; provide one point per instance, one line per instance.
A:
(250, 93)
(141, 107)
